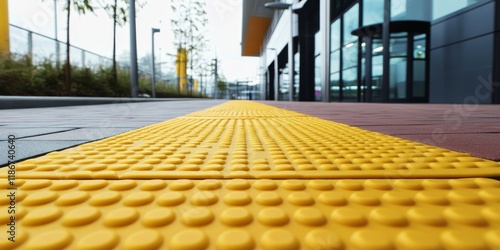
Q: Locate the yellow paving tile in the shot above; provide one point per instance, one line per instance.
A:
(243, 139)
(254, 214)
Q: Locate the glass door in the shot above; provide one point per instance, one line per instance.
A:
(398, 80)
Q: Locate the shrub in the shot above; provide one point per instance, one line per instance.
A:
(19, 76)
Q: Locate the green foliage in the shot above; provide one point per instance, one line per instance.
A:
(116, 11)
(221, 85)
(19, 76)
(13, 71)
(82, 6)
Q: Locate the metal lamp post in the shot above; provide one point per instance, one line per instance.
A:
(216, 79)
(284, 6)
(153, 77)
(55, 35)
(134, 78)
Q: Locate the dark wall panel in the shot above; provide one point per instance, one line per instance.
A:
(462, 54)
(456, 71)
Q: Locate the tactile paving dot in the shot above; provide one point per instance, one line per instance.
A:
(237, 198)
(410, 239)
(171, 199)
(182, 185)
(349, 217)
(138, 199)
(309, 216)
(121, 217)
(55, 239)
(273, 216)
(371, 239)
(144, 239)
(300, 199)
(81, 216)
(454, 239)
(268, 198)
(102, 239)
(279, 239)
(40, 198)
(105, 198)
(236, 217)
(235, 239)
(158, 217)
(42, 216)
(197, 217)
(204, 198)
(493, 239)
(189, 239)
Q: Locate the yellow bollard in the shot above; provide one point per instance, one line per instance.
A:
(181, 69)
(4, 28)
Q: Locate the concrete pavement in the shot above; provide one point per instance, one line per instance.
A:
(42, 130)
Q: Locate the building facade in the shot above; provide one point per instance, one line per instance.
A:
(439, 51)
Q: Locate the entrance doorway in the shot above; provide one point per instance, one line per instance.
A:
(408, 62)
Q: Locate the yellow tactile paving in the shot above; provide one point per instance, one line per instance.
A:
(243, 175)
(250, 140)
(255, 214)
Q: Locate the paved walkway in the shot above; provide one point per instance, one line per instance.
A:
(473, 129)
(244, 175)
(43, 130)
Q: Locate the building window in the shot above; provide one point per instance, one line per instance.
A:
(351, 22)
(317, 67)
(420, 10)
(373, 12)
(350, 55)
(335, 61)
(296, 86)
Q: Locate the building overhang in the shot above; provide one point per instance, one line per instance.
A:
(256, 21)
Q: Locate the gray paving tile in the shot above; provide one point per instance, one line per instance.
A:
(83, 134)
(26, 132)
(27, 149)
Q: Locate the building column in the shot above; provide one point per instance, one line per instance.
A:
(495, 96)
(386, 36)
(306, 49)
(324, 20)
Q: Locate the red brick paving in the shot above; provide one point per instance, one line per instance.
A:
(473, 129)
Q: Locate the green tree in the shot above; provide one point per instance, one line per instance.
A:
(221, 85)
(82, 7)
(118, 13)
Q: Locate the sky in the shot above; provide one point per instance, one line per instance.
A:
(93, 32)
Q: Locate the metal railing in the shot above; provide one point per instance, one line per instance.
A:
(40, 47)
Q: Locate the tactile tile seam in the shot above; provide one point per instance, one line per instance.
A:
(261, 147)
(244, 110)
(255, 214)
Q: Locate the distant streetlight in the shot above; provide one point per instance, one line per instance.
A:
(55, 34)
(216, 79)
(284, 6)
(153, 78)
